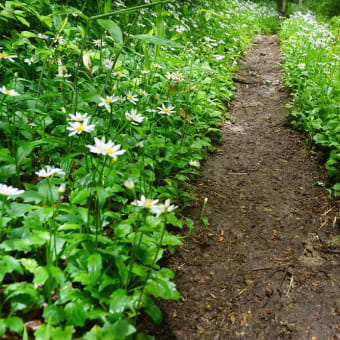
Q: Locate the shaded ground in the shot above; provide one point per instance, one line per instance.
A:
(261, 270)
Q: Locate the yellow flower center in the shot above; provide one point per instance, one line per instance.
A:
(119, 73)
(130, 97)
(108, 101)
(109, 151)
(166, 110)
(6, 92)
(80, 128)
(149, 203)
(4, 55)
(57, 38)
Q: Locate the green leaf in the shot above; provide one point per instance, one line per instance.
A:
(119, 301)
(7, 265)
(2, 327)
(152, 39)
(53, 314)
(79, 196)
(30, 265)
(113, 28)
(41, 276)
(75, 313)
(120, 330)
(154, 312)
(23, 151)
(94, 266)
(15, 324)
(159, 285)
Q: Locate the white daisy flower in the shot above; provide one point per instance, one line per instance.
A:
(107, 63)
(132, 98)
(163, 110)
(6, 56)
(302, 66)
(7, 190)
(99, 43)
(134, 118)
(10, 93)
(145, 71)
(78, 117)
(129, 184)
(59, 39)
(107, 102)
(155, 65)
(42, 36)
(77, 128)
(49, 171)
(170, 76)
(29, 61)
(145, 202)
(194, 164)
(62, 188)
(106, 149)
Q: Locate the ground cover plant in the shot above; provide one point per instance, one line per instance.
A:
(106, 109)
(311, 61)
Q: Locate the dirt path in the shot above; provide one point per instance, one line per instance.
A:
(258, 271)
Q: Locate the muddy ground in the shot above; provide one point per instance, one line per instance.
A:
(263, 268)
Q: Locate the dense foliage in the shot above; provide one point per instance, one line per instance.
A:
(312, 61)
(103, 116)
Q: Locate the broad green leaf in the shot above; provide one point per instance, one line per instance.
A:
(53, 314)
(120, 330)
(113, 29)
(41, 276)
(154, 312)
(152, 39)
(119, 301)
(15, 324)
(94, 266)
(79, 196)
(30, 265)
(2, 327)
(7, 265)
(75, 313)
(24, 149)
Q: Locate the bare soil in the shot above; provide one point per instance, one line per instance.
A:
(262, 269)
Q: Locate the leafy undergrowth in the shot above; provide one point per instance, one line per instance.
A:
(103, 116)
(312, 61)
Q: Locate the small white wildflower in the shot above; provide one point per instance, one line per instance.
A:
(59, 39)
(62, 188)
(7, 190)
(6, 56)
(301, 66)
(106, 102)
(120, 74)
(10, 93)
(29, 61)
(99, 43)
(42, 36)
(165, 110)
(107, 63)
(145, 202)
(194, 164)
(132, 98)
(129, 184)
(77, 128)
(106, 148)
(49, 171)
(145, 71)
(78, 117)
(134, 118)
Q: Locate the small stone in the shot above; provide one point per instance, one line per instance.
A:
(269, 291)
